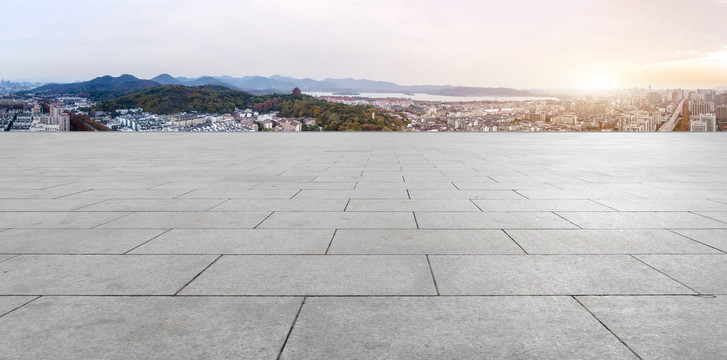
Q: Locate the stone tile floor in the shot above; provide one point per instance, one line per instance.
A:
(363, 246)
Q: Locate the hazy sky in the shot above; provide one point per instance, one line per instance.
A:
(510, 43)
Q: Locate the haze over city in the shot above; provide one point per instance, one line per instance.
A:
(516, 43)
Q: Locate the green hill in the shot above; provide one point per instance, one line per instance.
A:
(171, 99)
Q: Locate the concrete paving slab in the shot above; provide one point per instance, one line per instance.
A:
(449, 328)
(10, 303)
(44, 204)
(407, 185)
(353, 194)
(339, 220)
(127, 194)
(148, 328)
(73, 241)
(423, 242)
(239, 194)
(188, 220)
(282, 205)
(664, 205)
(711, 237)
(638, 241)
(154, 205)
(469, 185)
(492, 220)
(99, 274)
(306, 186)
(238, 241)
(666, 327)
(640, 220)
(411, 205)
(465, 194)
(706, 274)
(539, 194)
(720, 216)
(548, 275)
(34, 194)
(45, 220)
(540, 205)
(315, 275)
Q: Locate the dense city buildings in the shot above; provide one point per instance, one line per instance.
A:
(634, 110)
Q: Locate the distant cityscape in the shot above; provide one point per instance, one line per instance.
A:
(630, 110)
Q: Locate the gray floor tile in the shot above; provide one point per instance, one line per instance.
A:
(34, 194)
(465, 194)
(467, 185)
(450, 328)
(148, 327)
(352, 194)
(44, 204)
(406, 185)
(45, 220)
(99, 274)
(640, 220)
(239, 194)
(576, 194)
(73, 241)
(712, 237)
(315, 275)
(127, 194)
(606, 242)
(422, 242)
(548, 275)
(664, 205)
(540, 205)
(238, 241)
(306, 186)
(339, 220)
(189, 220)
(491, 220)
(706, 274)
(154, 205)
(666, 327)
(10, 303)
(411, 205)
(205, 185)
(721, 216)
(282, 205)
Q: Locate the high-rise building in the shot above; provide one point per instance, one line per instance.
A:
(697, 107)
(703, 123)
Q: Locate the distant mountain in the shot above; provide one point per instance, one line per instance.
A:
(252, 83)
(100, 88)
(108, 87)
(207, 80)
(166, 79)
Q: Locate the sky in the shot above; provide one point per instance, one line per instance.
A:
(533, 44)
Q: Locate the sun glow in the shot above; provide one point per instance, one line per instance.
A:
(598, 82)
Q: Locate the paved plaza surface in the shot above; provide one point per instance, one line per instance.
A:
(363, 246)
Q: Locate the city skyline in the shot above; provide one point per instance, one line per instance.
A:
(518, 44)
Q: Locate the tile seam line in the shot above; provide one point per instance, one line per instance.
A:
(198, 275)
(667, 275)
(145, 242)
(110, 221)
(431, 271)
(292, 326)
(606, 327)
(695, 240)
(26, 303)
(572, 223)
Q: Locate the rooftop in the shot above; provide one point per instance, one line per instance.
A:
(360, 246)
